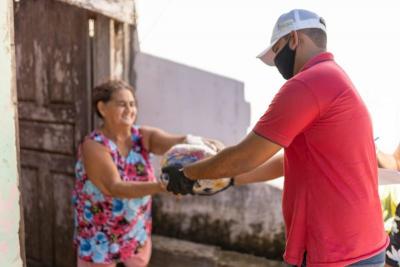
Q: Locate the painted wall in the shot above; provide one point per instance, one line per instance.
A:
(9, 192)
(183, 99)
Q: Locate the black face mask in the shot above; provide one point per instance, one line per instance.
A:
(284, 61)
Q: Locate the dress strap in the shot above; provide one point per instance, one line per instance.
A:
(98, 137)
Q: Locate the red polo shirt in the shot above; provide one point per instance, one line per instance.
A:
(330, 203)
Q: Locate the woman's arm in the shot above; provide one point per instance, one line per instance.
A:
(158, 141)
(389, 161)
(269, 170)
(103, 173)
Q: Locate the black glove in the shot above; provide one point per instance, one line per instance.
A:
(178, 183)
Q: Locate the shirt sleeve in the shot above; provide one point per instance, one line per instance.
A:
(293, 108)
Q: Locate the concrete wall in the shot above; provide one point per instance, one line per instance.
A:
(247, 219)
(9, 181)
(182, 99)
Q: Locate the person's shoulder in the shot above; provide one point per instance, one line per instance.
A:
(90, 146)
(146, 129)
(95, 135)
(294, 85)
(324, 75)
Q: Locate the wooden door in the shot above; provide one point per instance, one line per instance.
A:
(52, 82)
(58, 61)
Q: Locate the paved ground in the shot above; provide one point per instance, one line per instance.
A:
(169, 252)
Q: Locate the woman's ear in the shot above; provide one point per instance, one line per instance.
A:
(101, 108)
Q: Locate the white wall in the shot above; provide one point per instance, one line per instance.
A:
(9, 193)
(182, 99)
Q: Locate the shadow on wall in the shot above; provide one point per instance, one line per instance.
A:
(246, 219)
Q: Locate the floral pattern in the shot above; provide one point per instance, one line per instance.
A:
(109, 229)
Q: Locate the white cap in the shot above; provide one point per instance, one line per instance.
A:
(294, 20)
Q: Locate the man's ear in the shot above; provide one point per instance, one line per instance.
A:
(294, 40)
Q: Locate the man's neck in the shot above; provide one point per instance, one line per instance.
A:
(301, 61)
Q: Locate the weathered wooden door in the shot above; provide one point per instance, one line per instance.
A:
(52, 82)
(61, 52)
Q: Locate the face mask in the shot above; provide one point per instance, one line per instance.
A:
(284, 61)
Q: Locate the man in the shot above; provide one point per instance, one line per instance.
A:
(330, 205)
(392, 161)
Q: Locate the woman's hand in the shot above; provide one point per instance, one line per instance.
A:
(214, 144)
(163, 189)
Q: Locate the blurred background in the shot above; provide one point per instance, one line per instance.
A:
(225, 36)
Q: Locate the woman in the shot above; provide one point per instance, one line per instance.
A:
(392, 161)
(114, 181)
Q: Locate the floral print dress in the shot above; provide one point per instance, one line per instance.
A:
(110, 229)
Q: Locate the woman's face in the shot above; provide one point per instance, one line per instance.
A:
(121, 109)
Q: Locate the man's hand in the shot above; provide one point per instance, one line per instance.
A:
(178, 183)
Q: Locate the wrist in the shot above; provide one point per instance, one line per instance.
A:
(160, 187)
(185, 173)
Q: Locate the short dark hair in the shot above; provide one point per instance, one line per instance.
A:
(104, 92)
(318, 36)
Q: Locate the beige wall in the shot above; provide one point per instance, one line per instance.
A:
(9, 192)
(183, 99)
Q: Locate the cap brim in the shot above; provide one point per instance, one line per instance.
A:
(267, 56)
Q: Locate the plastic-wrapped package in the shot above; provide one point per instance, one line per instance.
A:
(184, 154)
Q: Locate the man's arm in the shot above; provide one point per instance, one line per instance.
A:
(389, 161)
(269, 170)
(232, 161)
